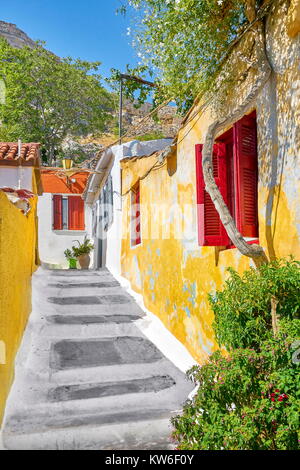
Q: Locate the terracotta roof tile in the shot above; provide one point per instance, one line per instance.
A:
(29, 156)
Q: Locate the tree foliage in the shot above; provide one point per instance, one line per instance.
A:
(48, 98)
(243, 308)
(183, 42)
(249, 399)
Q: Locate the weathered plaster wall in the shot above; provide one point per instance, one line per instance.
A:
(18, 241)
(175, 275)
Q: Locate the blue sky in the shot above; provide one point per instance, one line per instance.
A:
(87, 29)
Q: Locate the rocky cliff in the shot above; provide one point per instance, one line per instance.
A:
(166, 124)
(14, 35)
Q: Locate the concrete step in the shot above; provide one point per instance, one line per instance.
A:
(85, 285)
(133, 435)
(108, 389)
(43, 385)
(91, 319)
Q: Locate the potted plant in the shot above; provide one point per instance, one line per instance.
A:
(71, 258)
(82, 252)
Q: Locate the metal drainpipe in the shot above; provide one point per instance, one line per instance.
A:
(121, 110)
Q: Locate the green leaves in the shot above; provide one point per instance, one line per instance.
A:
(249, 399)
(245, 401)
(183, 42)
(83, 248)
(243, 309)
(48, 98)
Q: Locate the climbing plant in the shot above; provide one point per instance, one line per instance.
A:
(183, 43)
(189, 45)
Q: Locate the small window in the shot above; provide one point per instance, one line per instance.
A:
(235, 172)
(68, 213)
(135, 216)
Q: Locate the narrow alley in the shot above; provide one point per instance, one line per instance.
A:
(86, 376)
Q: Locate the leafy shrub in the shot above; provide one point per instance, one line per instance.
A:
(243, 309)
(249, 398)
(83, 248)
(69, 254)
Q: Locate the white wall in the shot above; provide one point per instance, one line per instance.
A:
(113, 251)
(10, 177)
(113, 235)
(52, 243)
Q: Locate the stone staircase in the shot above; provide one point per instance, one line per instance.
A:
(86, 376)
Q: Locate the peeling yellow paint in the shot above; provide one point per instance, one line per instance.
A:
(17, 263)
(169, 269)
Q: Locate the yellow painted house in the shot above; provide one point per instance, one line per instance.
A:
(20, 184)
(175, 250)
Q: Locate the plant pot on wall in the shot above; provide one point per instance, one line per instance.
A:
(72, 263)
(84, 261)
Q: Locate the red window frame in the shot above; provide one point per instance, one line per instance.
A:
(236, 174)
(75, 213)
(135, 216)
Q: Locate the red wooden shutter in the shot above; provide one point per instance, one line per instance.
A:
(245, 157)
(75, 213)
(57, 212)
(211, 231)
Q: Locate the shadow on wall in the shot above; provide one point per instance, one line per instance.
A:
(279, 129)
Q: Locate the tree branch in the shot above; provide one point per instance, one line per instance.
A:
(256, 252)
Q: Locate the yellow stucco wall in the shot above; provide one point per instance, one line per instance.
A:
(173, 273)
(17, 263)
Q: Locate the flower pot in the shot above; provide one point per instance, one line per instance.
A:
(84, 261)
(72, 263)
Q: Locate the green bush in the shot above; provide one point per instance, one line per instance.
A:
(250, 398)
(83, 248)
(243, 309)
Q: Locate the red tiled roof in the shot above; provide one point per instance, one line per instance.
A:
(30, 154)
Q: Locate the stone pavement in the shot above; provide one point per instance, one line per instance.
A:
(86, 376)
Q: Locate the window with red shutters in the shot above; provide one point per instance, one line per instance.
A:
(57, 212)
(245, 162)
(75, 213)
(235, 172)
(68, 212)
(211, 231)
(135, 216)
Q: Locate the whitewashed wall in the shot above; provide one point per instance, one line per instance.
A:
(53, 243)
(112, 237)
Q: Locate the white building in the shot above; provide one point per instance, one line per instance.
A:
(103, 196)
(63, 216)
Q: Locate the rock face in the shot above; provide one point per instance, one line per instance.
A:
(166, 124)
(14, 35)
(80, 150)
